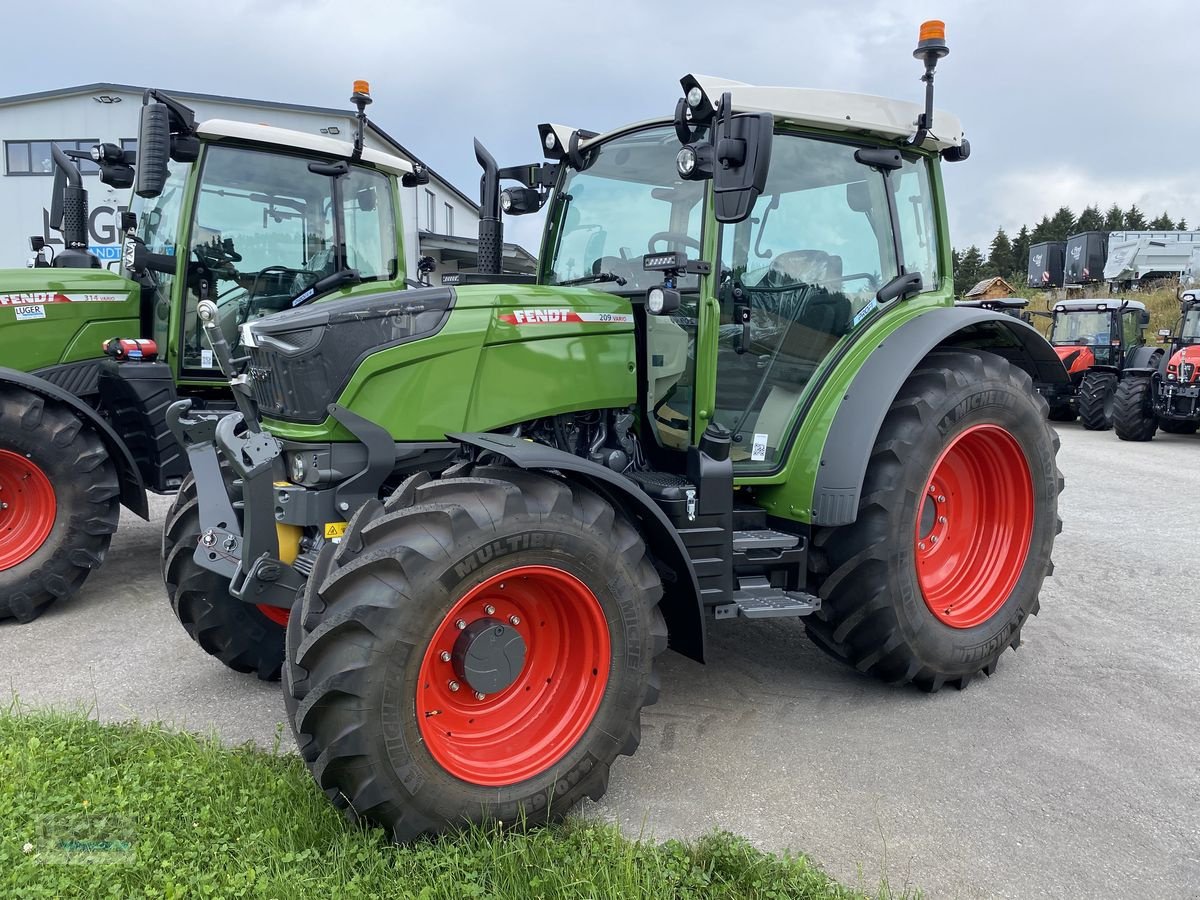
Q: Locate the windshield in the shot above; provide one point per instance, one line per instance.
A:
(1191, 326)
(158, 217)
(1081, 328)
(630, 201)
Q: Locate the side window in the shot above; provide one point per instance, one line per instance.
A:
(918, 227)
(808, 264)
(370, 225)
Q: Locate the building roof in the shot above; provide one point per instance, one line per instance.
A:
(105, 86)
(466, 250)
(986, 285)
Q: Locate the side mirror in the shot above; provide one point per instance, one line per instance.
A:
(903, 286)
(154, 149)
(741, 159)
(1143, 317)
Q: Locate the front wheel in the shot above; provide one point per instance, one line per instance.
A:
(956, 522)
(1133, 409)
(480, 648)
(244, 637)
(1097, 394)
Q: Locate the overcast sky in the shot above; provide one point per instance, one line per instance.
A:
(1063, 103)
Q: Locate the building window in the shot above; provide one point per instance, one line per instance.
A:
(33, 157)
(129, 144)
(449, 211)
(430, 210)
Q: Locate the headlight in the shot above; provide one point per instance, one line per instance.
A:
(685, 161)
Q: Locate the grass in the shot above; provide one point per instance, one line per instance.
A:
(133, 810)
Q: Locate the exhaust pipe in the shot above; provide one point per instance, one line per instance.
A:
(491, 228)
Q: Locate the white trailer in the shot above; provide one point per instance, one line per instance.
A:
(1134, 256)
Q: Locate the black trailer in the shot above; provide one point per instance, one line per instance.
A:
(1046, 264)
(1086, 254)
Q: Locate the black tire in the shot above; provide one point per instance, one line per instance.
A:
(1177, 426)
(238, 634)
(362, 643)
(1062, 412)
(1097, 396)
(69, 458)
(1133, 409)
(874, 616)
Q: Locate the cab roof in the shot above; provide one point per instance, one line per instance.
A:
(226, 129)
(837, 110)
(1089, 304)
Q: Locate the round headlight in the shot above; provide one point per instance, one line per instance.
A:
(655, 300)
(96, 153)
(506, 201)
(694, 96)
(685, 161)
(1170, 376)
(551, 140)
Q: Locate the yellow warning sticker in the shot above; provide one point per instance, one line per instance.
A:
(334, 530)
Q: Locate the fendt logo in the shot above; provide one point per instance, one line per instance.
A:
(562, 316)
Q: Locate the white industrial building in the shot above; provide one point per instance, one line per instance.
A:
(440, 221)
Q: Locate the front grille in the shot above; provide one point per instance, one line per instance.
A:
(1187, 371)
(302, 359)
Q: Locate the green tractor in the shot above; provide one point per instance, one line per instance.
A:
(255, 218)
(738, 388)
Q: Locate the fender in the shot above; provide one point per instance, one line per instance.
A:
(851, 436)
(1145, 357)
(681, 605)
(133, 491)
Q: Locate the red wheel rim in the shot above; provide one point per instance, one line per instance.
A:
(27, 508)
(276, 614)
(974, 526)
(531, 724)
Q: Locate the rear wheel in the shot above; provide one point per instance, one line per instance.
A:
(1097, 394)
(1133, 409)
(1175, 426)
(244, 637)
(480, 648)
(59, 503)
(957, 518)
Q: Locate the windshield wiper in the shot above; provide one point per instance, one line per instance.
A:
(327, 284)
(589, 279)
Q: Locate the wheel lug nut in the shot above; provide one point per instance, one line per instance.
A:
(460, 624)
(453, 687)
(941, 498)
(444, 656)
(489, 609)
(514, 620)
(933, 539)
(921, 546)
(932, 489)
(941, 520)
(480, 696)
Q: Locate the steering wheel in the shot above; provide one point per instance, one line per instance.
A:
(676, 237)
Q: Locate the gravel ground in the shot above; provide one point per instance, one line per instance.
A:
(1074, 772)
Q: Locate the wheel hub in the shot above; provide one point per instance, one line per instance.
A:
(27, 508)
(489, 655)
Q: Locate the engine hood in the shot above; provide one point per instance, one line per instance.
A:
(1185, 365)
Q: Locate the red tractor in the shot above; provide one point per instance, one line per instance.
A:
(1165, 395)
(1098, 340)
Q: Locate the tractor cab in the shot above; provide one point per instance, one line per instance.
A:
(257, 219)
(1097, 332)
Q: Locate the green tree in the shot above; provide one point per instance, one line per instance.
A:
(1134, 220)
(967, 271)
(1114, 219)
(1000, 257)
(1062, 225)
(1162, 223)
(1041, 231)
(1182, 226)
(1091, 219)
(1020, 252)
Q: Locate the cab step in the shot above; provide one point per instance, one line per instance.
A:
(757, 599)
(764, 539)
